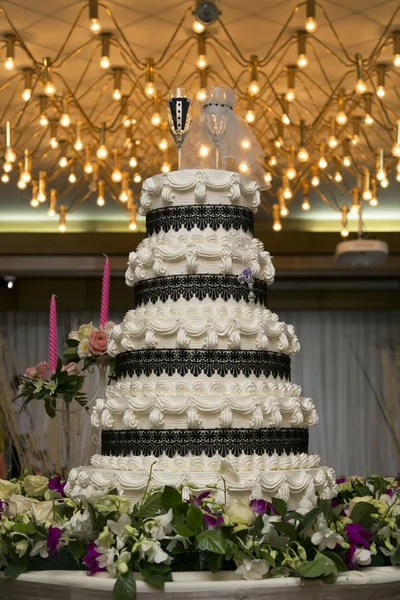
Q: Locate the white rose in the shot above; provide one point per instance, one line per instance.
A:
(43, 511)
(7, 488)
(239, 513)
(19, 504)
(85, 330)
(21, 547)
(36, 485)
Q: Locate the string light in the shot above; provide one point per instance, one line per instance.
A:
(355, 138)
(311, 23)
(380, 91)
(95, 26)
(43, 120)
(72, 175)
(396, 49)
(117, 83)
(337, 176)
(202, 92)
(63, 161)
(100, 200)
(26, 173)
(105, 51)
(250, 115)
(355, 201)
(374, 189)
(361, 86)
(156, 116)
(65, 120)
(380, 166)
(290, 92)
(254, 85)
(137, 178)
(5, 178)
(116, 174)
(88, 166)
(42, 187)
(285, 111)
(346, 153)
(21, 185)
(385, 183)
(267, 177)
(315, 180)
(102, 152)
(367, 192)
(277, 225)
(78, 144)
(333, 141)
(34, 201)
(49, 87)
(302, 60)
(396, 145)
(322, 162)
(62, 226)
(9, 63)
(302, 153)
(283, 209)
(341, 117)
(201, 62)
(306, 201)
(286, 191)
(132, 222)
(368, 119)
(51, 212)
(53, 134)
(278, 142)
(291, 172)
(123, 196)
(133, 163)
(345, 231)
(163, 145)
(27, 92)
(7, 167)
(10, 155)
(150, 88)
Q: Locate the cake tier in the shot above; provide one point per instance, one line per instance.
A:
(187, 325)
(192, 187)
(183, 252)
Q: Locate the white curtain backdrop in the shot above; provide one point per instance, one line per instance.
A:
(351, 437)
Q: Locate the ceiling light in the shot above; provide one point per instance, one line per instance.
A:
(100, 201)
(254, 85)
(396, 49)
(27, 92)
(41, 196)
(9, 62)
(5, 178)
(311, 23)
(206, 12)
(137, 178)
(62, 226)
(361, 86)
(367, 192)
(105, 50)
(302, 60)
(51, 212)
(102, 151)
(355, 201)
(201, 61)
(277, 226)
(95, 26)
(344, 232)
(396, 145)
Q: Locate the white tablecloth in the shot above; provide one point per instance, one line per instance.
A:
(371, 584)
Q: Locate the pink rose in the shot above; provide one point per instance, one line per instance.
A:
(72, 368)
(30, 372)
(98, 341)
(43, 371)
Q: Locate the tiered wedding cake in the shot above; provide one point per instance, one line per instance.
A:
(203, 388)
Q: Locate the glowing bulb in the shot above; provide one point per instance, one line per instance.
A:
(272, 161)
(285, 119)
(355, 139)
(7, 167)
(26, 176)
(277, 226)
(277, 143)
(354, 209)
(72, 177)
(132, 225)
(201, 95)
(9, 63)
(341, 118)
(150, 89)
(243, 168)
(311, 24)
(165, 167)
(26, 94)
(381, 174)
(368, 120)
(21, 184)
(49, 88)
(5, 178)
(385, 183)
(105, 62)
(201, 62)
(284, 211)
(338, 176)
(156, 119)
(302, 61)
(344, 232)
(290, 95)
(347, 161)
(123, 197)
(43, 120)
(287, 194)
(116, 176)
(137, 178)
(78, 145)
(361, 86)
(126, 122)
(268, 177)
(88, 168)
(396, 61)
(10, 155)
(51, 212)
(315, 181)
(95, 26)
(302, 155)
(380, 92)
(34, 203)
(306, 204)
(254, 88)
(53, 142)
(322, 163)
(102, 152)
(204, 150)
(246, 144)
(396, 150)
(41, 196)
(367, 195)
(63, 162)
(197, 26)
(100, 201)
(250, 116)
(62, 228)
(291, 173)
(65, 120)
(163, 145)
(332, 142)
(117, 94)
(133, 162)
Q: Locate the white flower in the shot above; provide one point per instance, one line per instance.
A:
(239, 513)
(153, 551)
(325, 537)
(41, 549)
(80, 523)
(74, 335)
(21, 547)
(51, 385)
(83, 349)
(6, 489)
(35, 485)
(253, 569)
(268, 527)
(106, 558)
(39, 385)
(120, 564)
(362, 556)
(19, 504)
(174, 541)
(118, 528)
(43, 511)
(306, 504)
(160, 526)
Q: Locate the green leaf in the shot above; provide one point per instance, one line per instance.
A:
(215, 562)
(195, 518)
(70, 353)
(337, 510)
(170, 498)
(184, 530)
(280, 506)
(151, 506)
(49, 405)
(72, 343)
(125, 587)
(25, 528)
(212, 541)
(330, 579)
(285, 528)
(396, 556)
(339, 564)
(232, 549)
(258, 525)
(309, 518)
(156, 575)
(321, 566)
(279, 572)
(361, 514)
(327, 510)
(14, 570)
(77, 549)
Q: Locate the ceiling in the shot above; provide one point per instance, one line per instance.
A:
(148, 25)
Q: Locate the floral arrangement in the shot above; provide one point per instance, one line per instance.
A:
(89, 344)
(40, 528)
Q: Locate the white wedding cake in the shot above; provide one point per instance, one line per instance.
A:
(203, 391)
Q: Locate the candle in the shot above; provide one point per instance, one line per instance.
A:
(105, 293)
(53, 345)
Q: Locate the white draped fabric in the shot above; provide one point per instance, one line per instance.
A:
(352, 436)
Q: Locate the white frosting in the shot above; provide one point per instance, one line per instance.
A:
(183, 252)
(207, 326)
(199, 187)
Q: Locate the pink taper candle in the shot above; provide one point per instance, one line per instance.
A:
(105, 293)
(53, 345)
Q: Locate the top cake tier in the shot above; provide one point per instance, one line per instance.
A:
(192, 186)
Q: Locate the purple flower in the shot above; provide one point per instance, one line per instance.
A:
(270, 509)
(390, 492)
(56, 485)
(213, 521)
(90, 560)
(197, 500)
(340, 480)
(53, 540)
(3, 506)
(358, 535)
(258, 506)
(348, 557)
(247, 273)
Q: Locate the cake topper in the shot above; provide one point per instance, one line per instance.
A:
(179, 117)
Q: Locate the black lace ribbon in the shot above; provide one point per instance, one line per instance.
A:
(208, 441)
(201, 216)
(208, 362)
(201, 286)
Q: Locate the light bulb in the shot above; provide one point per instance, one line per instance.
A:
(102, 152)
(51, 212)
(72, 177)
(322, 163)
(41, 196)
(7, 167)
(361, 86)
(204, 150)
(63, 162)
(34, 203)
(380, 92)
(272, 161)
(396, 61)
(165, 167)
(254, 88)
(10, 155)
(302, 155)
(78, 145)
(117, 94)
(21, 184)
(354, 209)
(284, 211)
(26, 94)
(315, 181)
(62, 228)
(163, 145)
(385, 183)
(381, 174)
(367, 195)
(285, 119)
(277, 226)
(291, 173)
(116, 176)
(100, 201)
(373, 202)
(341, 118)
(344, 232)
(5, 178)
(197, 26)
(49, 88)
(95, 26)
(347, 161)
(368, 120)
(202, 62)
(123, 197)
(250, 116)
(290, 95)
(43, 120)
(396, 149)
(287, 194)
(150, 89)
(243, 168)
(201, 95)
(268, 177)
(355, 139)
(245, 144)
(126, 122)
(26, 176)
(332, 142)
(137, 178)
(302, 61)
(277, 143)
(311, 24)
(65, 120)
(156, 119)
(133, 162)
(9, 63)
(306, 204)
(88, 168)
(132, 225)
(338, 176)
(53, 142)
(105, 62)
